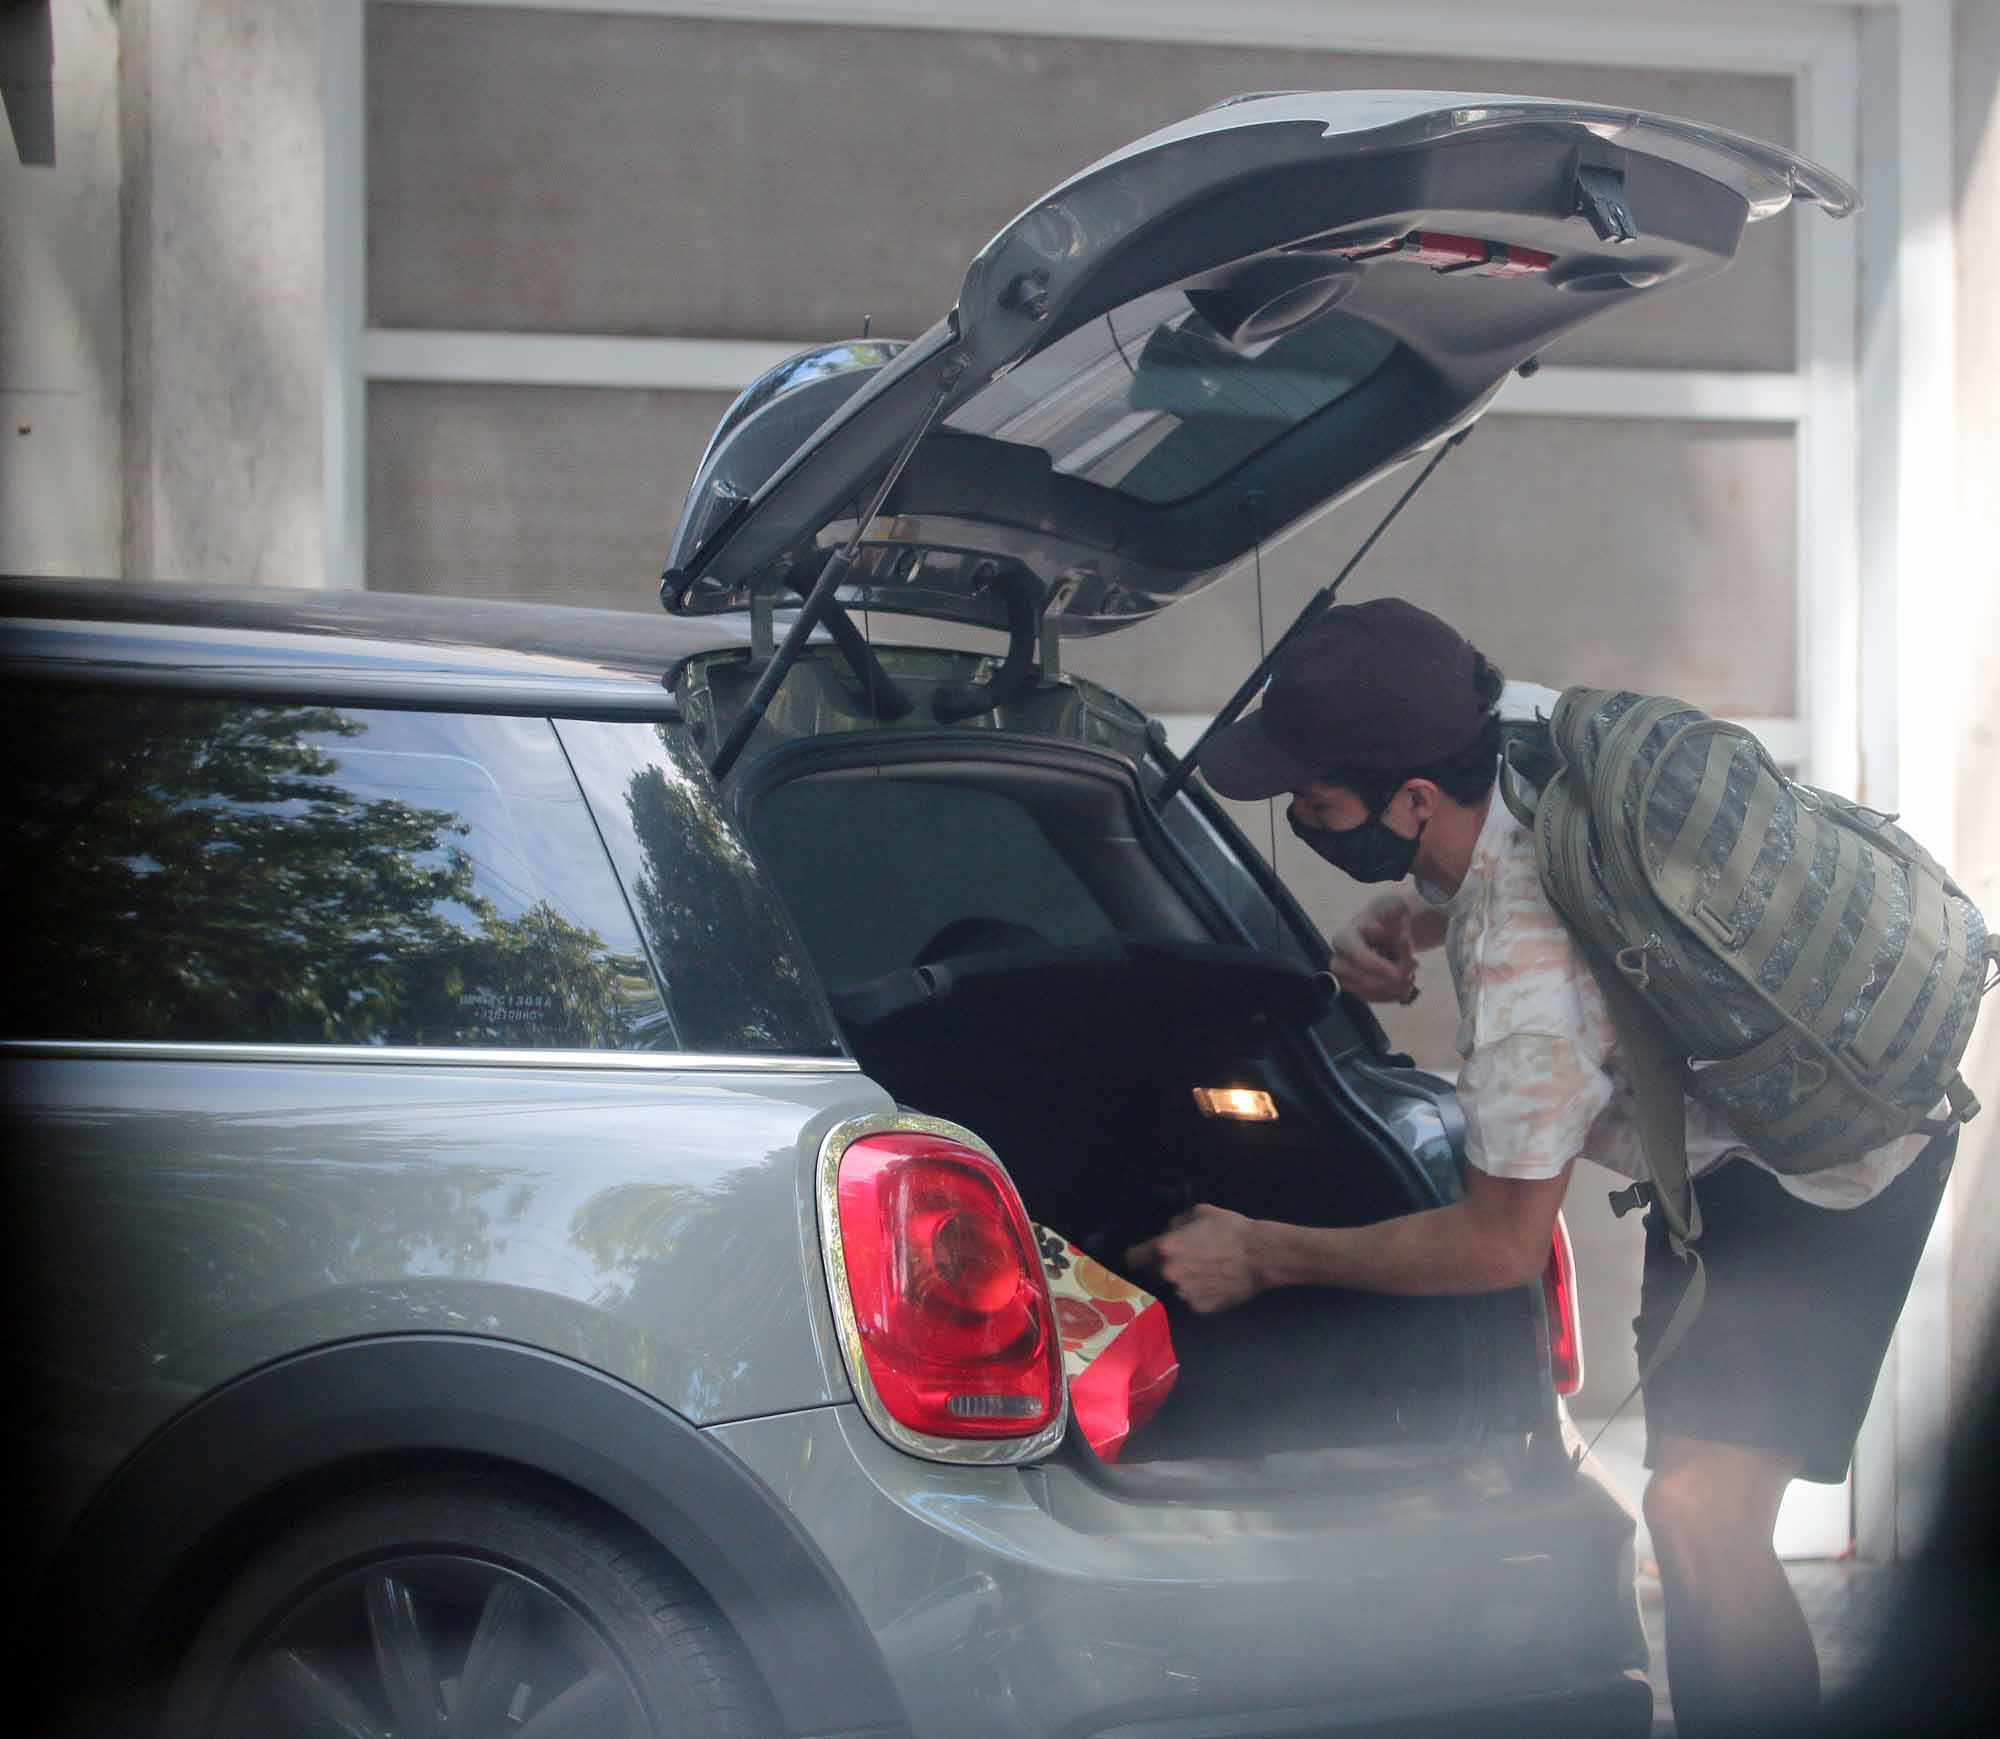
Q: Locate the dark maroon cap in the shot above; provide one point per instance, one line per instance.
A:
(1380, 687)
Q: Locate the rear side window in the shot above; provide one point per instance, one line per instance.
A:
(249, 872)
(736, 978)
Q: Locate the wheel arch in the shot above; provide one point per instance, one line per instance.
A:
(171, 1526)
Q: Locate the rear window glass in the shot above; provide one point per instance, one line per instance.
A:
(883, 872)
(221, 871)
(736, 978)
(1151, 401)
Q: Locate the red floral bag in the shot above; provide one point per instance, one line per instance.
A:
(1118, 1356)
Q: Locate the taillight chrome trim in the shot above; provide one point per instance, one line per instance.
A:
(1009, 1451)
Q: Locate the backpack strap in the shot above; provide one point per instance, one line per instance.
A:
(1660, 1100)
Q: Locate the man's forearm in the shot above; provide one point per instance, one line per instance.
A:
(1442, 1250)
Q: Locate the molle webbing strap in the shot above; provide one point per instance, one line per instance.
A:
(1776, 920)
(1677, 878)
(1895, 1000)
(1861, 965)
(1936, 1013)
(1720, 905)
(1812, 956)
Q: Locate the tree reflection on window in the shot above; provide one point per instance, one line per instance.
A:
(209, 870)
(717, 929)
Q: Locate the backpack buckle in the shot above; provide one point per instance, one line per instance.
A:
(1633, 1195)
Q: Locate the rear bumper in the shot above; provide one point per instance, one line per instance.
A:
(1010, 1603)
(1619, 1707)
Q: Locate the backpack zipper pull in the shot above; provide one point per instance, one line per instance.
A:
(1632, 961)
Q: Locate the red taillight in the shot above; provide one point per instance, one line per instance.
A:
(950, 1307)
(1565, 1326)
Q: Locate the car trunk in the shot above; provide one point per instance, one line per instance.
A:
(1006, 945)
(1080, 1066)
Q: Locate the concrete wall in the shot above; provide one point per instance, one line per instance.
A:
(224, 225)
(61, 310)
(1975, 1279)
(754, 180)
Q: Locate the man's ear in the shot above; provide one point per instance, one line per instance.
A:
(1425, 799)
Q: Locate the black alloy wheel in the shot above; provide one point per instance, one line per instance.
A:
(463, 1611)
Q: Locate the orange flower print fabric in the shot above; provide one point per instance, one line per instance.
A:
(1118, 1353)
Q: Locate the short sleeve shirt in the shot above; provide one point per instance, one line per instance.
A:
(1544, 1079)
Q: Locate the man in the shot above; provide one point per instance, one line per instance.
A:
(1382, 723)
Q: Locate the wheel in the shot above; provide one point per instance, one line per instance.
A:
(462, 1609)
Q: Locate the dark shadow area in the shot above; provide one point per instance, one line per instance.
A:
(27, 79)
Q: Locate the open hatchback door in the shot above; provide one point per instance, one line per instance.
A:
(1205, 339)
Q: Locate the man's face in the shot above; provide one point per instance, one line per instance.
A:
(1338, 808)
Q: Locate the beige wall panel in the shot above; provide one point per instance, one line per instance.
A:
(225, 291)
(1645, 555)
(1975, 1279)
(704, 178)
(567, 495)
(62, 315)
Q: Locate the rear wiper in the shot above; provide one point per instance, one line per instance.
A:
(1316, 607)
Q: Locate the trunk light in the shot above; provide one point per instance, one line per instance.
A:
(1565, 1325)
(950, 1309)
(1246, 1104)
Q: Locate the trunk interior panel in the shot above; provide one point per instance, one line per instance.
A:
(1034, 1016)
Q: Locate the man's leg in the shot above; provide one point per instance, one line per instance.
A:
(1739, 1656)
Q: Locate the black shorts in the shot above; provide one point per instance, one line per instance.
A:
(1801, 1304)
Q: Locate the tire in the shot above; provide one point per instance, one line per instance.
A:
(463, 1608)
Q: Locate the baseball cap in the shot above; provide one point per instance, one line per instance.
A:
(1380, 687)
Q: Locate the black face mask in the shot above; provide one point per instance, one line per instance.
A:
(1370, 851)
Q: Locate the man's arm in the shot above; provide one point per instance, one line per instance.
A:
(1375, 953)
(1497, 1235)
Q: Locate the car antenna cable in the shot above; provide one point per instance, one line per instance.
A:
(1316, 606)
(825, 586)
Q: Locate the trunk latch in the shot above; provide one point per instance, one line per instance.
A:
(1600, 196)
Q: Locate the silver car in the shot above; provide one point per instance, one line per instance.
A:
(534, 1122)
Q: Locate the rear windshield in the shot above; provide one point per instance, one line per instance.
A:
(1152, 402)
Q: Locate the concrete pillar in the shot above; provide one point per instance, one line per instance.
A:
(61, 338)
(1974, 636)
(224, 226)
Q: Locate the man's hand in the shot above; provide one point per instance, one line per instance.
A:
(1375, 956)
(1207, 1256)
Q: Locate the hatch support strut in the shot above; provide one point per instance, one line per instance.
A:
(830, 577)
(1316, 607)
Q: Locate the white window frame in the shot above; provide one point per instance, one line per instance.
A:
(1870, 397)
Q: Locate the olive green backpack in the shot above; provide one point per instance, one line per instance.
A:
(1792, 959)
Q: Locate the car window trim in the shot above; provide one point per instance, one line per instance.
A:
(419, 1056)
(388, 690)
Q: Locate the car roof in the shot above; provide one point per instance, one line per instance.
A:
(363, 647)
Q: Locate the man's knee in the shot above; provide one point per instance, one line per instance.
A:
(1719, 1494)
(1679, 1507)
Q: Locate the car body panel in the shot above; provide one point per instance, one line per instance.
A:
(198, 1218)
(1041, 1601)
(153, 1549)
(1236, 235)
